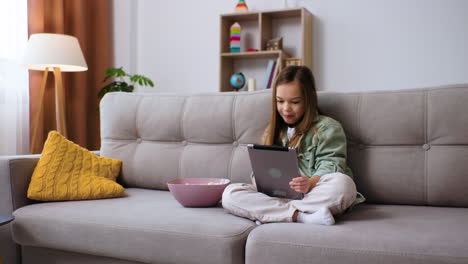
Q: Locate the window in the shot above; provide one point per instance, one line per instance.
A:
(14, 86)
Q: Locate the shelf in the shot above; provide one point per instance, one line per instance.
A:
(294, 25)
(284, 13)
(241, 16)
(254, 14)
(255, 54)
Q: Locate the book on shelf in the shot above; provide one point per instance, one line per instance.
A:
(275, 73)
(271, 66)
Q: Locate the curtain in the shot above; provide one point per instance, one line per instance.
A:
(14, 97)
(91, 22)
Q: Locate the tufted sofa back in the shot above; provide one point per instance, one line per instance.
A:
(163, 137)
(405, 146)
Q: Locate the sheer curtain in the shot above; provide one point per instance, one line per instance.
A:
(14, 86)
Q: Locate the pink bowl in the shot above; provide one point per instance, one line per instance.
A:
(198, 192)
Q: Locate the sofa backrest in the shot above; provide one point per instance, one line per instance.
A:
(404, 146)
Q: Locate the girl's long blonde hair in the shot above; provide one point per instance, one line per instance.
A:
(276, 128)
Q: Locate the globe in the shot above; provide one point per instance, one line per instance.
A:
(237, 81)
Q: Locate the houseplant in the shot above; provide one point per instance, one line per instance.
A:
(120, 83)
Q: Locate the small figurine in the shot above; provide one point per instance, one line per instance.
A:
(235, 37)
(275, 44)
(241, 6)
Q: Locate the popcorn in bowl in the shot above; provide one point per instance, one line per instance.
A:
(210, 183)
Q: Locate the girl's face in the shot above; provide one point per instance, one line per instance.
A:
(290, 102)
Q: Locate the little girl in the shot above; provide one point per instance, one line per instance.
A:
(325, 177)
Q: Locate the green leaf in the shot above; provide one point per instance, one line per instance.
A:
(103, 91)
(128, 89)
(141, 80)
(134, 78)
(147, 81)
(114, 72)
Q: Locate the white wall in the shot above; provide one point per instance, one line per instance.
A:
(358, 45)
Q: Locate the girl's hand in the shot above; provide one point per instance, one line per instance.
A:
(303, 184)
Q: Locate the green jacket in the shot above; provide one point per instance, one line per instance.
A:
(323, 150)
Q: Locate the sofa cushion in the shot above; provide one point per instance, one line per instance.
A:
(67, 171)
(148, 226)
(34, 255)
(368, 234)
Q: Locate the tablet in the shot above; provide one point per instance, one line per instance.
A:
(274, 167)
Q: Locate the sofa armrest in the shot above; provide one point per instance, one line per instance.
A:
(15, 175)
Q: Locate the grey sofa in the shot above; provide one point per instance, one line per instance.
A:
(408, 150)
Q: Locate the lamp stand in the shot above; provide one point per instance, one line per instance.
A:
(39, 111)
(60, 114)
(60, 119)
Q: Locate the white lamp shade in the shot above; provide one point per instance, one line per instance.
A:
(54, 50)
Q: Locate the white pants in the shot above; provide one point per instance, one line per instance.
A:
(336, 191)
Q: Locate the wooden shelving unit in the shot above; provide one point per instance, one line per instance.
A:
(294, 25)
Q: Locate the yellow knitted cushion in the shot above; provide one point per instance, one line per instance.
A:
(67, 171)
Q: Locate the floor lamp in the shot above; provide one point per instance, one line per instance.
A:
(58, 53)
